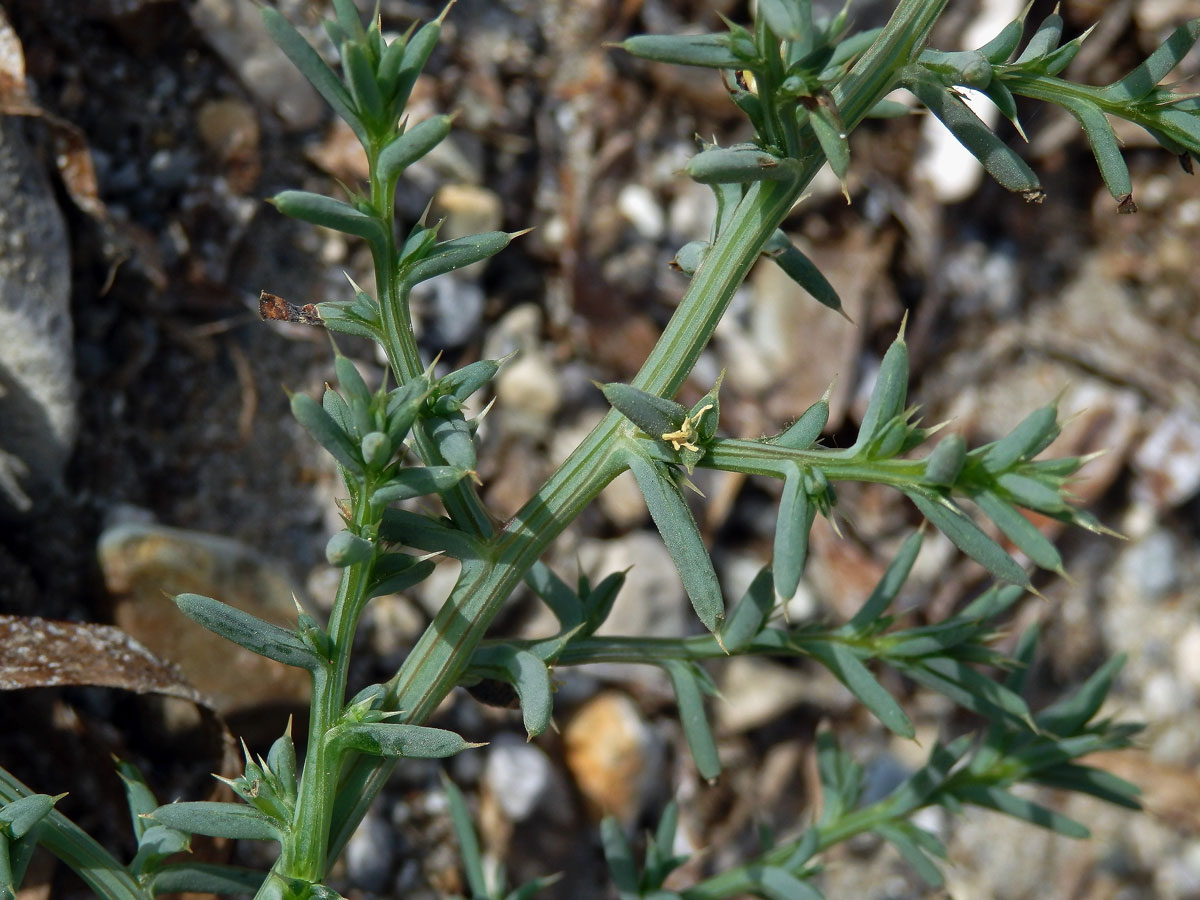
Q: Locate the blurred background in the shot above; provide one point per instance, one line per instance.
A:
(146, 444)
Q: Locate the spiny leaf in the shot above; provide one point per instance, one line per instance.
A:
(968, 688)
(395, 573)
(217, 819)
(1018, 529)
(740, 165)
(1105, 146)
(1044, 40)
(804, 272)
(204, 878)
(251, 632)
(888, 587)
(1000, 160)
(887, 396)
(416, 481)
(1035, 432)
(899, 837)
(138, 796)
(468, 841)
(450, 256)
(528, 675)
(398, 741)
(553, 591)
(968, 537)
(363, 86)
(653, 414)
(945, 463)
(775, 883)
(405, 149)
(312, 67)
(791, 20)
(849, 669)
(1141, 81)
(1020, 808)
(750, 614)
(21, 816)
(693, 718)
(674, 521)
(455, 442)
(1001, 47)
(711, 51)
(805, 431)
(1070, 714)
(1031, 493)
(1093, 781)
(416, 53)
(792, 527)
(831, 135)
(619, 856)
(317, 209)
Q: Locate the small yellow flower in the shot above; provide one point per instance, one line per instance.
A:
(682, 439)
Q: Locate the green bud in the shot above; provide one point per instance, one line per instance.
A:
(346, 549)
(690, 256)
(943, 465)
(376, 449)
(722, 165)
(803, 433)
(1036, 432)
(405, 149)
(711, 51)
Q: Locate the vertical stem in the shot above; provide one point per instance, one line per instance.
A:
(305, 848)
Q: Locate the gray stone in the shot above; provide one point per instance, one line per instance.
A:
(449, 310)
(529, 384)
(37, 381)
(518, 775)
(145, 564)
(370, 853)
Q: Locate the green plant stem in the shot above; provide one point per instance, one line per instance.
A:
(304, 848)
(772, 460)
(102, 872)
(462, 501)
(443, 651)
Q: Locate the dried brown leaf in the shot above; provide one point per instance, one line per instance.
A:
(36, 652)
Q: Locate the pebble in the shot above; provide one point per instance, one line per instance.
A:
(1168, 461)
(613, 755)
(1187, 656)
(467, 209)
(756, 691)
(1148, 569)
(518, 774)
(37, 379)
(639, 206)
(397, 624)
(144, 564)
(518, 329)
(449, 310)
(370, 853)
(229, 128)
(692, 212)
(530, 384)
